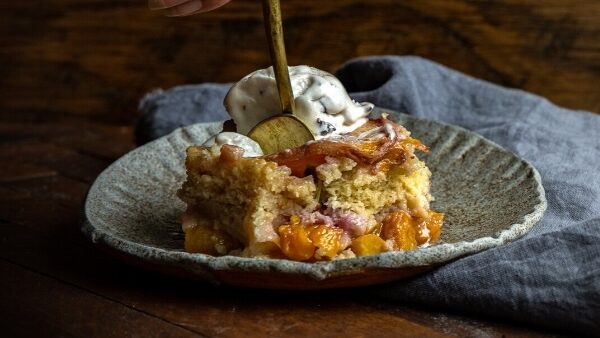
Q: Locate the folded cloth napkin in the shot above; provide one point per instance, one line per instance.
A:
(551, 277)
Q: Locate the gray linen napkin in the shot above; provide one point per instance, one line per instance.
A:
(551, 277)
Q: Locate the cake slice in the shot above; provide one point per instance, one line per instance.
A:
(345, 195)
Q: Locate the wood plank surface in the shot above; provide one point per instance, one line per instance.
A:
(105, 54)
(72, 72)
(52, 308)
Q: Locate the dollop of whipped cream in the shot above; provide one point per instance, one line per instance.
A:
(321, 102)
(251, 148)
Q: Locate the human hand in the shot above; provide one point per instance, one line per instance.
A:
(185, 7)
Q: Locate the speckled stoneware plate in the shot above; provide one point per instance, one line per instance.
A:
(489, 195)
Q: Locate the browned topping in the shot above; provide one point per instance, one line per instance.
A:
(231, 153)
(363, 151)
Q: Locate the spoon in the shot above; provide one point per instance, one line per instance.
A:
(281, 131)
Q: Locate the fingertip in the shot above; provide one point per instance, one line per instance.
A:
(184, 9)
(209, 5)
(178, 8)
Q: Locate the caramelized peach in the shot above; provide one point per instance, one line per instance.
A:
(366, 245)
(434, 224)
(208, 241)
(399, 228)
(294, 241)
(304, 241)
(327, 239)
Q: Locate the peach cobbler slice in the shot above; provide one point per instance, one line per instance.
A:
(373, 197)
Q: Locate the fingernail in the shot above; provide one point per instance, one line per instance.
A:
(185, 9)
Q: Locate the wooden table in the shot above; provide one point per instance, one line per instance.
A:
(72, 71)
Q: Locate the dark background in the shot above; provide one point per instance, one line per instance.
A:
(72, 72)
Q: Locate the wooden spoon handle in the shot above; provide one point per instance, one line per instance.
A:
(274, 31)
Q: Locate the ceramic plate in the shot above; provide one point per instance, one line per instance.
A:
(489, 196)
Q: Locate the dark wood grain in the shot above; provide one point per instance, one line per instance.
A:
(53, 308)
(82, 59)
(72, 71)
